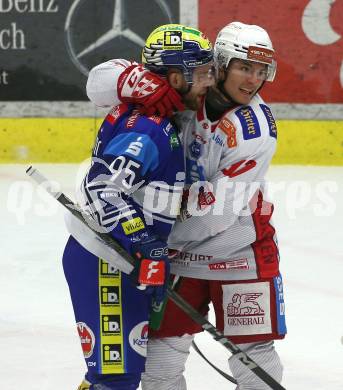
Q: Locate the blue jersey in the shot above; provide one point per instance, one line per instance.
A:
(134, 185)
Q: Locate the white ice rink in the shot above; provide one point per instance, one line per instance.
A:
(39, 346)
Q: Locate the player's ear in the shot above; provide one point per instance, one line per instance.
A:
(176, 79)
(221, 75)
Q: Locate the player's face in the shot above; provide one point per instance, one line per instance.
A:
(203, 78)
(243, 80)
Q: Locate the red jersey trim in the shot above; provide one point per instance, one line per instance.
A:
(265, 249)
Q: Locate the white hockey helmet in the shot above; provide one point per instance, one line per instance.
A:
(246, 42)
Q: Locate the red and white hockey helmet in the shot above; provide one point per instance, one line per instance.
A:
(246, 42)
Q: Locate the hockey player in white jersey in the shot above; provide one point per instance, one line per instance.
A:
(224, 245)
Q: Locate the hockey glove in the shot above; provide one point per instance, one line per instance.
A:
(154, 94)
(152, 269)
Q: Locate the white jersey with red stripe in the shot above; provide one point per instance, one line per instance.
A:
(102, 82)
(229, 235)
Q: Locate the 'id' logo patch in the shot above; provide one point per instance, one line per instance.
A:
(108, 270)
(173, 39)
(111, 353)
(110, 324)
(109, 295)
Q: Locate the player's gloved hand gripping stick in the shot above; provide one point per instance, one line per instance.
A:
(152, 268)
(129, 264)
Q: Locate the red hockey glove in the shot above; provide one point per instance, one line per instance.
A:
(152, 269)
(154, 94)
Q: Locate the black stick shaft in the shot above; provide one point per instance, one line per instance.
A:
(222, 373)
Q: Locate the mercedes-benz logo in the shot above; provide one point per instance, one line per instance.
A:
(116, 29)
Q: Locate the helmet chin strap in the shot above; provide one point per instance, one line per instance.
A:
(260, 87)
(220, 86)
(216, 104)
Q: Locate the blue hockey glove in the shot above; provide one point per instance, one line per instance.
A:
(152, 269)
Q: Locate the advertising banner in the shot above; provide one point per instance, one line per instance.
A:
(307, 36)
(48, 46)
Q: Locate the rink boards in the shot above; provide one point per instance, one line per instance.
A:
(301, 140)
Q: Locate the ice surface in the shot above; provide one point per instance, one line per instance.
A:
(38, 340)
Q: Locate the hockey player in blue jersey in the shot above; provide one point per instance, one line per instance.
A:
(132, 189)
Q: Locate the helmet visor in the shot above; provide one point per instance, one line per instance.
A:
(251, 69)
(204, 76)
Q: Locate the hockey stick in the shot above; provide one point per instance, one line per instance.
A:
(176, 298)
(222, 373)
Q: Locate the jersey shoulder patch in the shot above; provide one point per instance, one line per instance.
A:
(227, 127)
(270, 120)
(249, 122)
